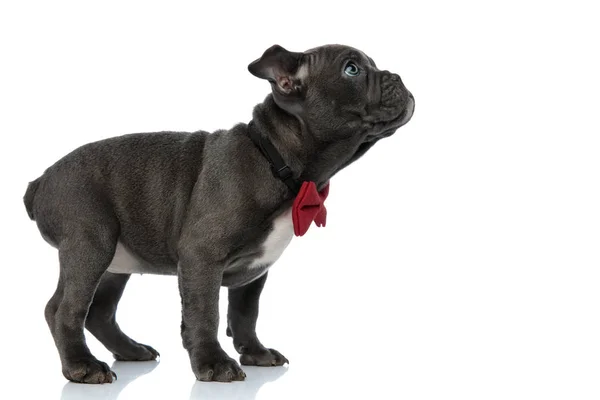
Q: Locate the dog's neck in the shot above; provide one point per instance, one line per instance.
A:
(309, 158)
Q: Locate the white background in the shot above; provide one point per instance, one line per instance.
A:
(461, 256)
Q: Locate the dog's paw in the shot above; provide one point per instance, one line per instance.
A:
(88, 371)
(139, 352)
(263, 358)
(221, 368)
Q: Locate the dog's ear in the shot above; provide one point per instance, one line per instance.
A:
(280, 67)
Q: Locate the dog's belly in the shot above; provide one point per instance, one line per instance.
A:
(238, 273)
(126, 262)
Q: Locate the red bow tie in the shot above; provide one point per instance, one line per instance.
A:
(308, 207)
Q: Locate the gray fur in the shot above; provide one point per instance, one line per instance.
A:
(200, 206)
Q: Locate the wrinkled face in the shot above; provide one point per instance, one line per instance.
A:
(344, 84)
(335, 89)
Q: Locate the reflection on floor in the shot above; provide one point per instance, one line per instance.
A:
(127, 372)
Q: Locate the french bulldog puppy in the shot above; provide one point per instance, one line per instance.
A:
(214, 209)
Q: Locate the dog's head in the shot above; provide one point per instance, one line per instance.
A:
(336, 89)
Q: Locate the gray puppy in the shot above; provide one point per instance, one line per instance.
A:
(213, 209)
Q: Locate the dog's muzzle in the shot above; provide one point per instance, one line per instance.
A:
(396, 101)
(393, 92)
(408, 110)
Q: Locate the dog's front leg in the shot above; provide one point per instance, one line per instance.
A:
(199, 283)
(242, 314)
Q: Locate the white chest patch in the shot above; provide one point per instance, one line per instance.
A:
(277, 241)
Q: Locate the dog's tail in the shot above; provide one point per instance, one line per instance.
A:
(29, 196)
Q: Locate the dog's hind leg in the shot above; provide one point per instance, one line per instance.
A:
(102, 324)
(85, 252)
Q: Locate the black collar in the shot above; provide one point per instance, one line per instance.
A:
(278, 166)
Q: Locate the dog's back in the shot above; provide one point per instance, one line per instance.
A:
(90, 176)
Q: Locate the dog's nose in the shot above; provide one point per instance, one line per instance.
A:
(387, 75)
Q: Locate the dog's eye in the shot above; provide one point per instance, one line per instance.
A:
(351, 69)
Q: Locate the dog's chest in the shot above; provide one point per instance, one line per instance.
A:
(277, 240)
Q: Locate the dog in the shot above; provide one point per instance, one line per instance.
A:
(214, 209)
